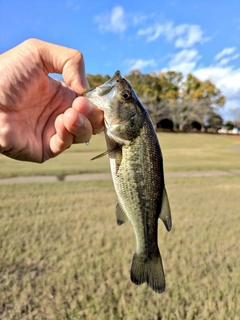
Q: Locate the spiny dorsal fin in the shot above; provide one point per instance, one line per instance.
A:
(165, 214)
(120, 214)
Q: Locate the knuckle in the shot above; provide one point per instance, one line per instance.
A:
(78, 55)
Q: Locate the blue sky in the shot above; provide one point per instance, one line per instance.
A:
(199, 37)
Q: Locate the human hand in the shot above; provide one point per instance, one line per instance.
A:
(40, 117)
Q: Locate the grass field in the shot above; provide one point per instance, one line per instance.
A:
(64, 257)
(181, 151)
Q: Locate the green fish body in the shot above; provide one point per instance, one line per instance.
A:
(137, 172)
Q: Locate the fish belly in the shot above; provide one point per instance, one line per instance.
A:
(138, 179)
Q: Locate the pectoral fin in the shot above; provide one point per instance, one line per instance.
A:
(115, 147)
(165, 214)
(120, 214)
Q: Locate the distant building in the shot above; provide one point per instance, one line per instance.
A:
(235, 130)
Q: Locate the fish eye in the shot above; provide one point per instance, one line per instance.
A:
(126, 95)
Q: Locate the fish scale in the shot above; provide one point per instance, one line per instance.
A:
(137, 172)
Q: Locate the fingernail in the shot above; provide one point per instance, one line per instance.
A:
(85, 84)
(80, 122)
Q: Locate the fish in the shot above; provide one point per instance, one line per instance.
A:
(137, 172)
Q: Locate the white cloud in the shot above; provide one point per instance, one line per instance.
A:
(225, 61)
(184, 61)
(225, 76)
(224, 52)
(227, 79)
(115, 21)
(73, 5)
(140, 64)
(137, 18)
(225, 56)
(183, 35)
(222, 73)
(185, 55)
(189, 35)
(152, 33)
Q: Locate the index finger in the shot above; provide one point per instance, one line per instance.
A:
(66, 61)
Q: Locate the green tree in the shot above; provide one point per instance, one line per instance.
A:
(229, 124)
(171, 83)
(146, 85)
(215, 120)
(166, 95)
(198, 100)
(193, 88)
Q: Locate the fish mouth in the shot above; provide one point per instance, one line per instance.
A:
(106, 87)
(104, 92)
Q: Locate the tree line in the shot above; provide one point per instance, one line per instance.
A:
(185, 103)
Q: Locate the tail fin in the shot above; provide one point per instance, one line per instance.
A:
(150, 271)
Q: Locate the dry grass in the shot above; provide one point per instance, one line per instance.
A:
(182, 152)
(63, 256)
(189, 152)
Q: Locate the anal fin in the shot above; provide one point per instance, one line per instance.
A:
(120, 214)
(165, 214)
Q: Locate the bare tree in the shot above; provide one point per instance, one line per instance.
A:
(157, 110)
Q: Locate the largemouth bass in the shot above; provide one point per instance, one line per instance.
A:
(137, 172)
